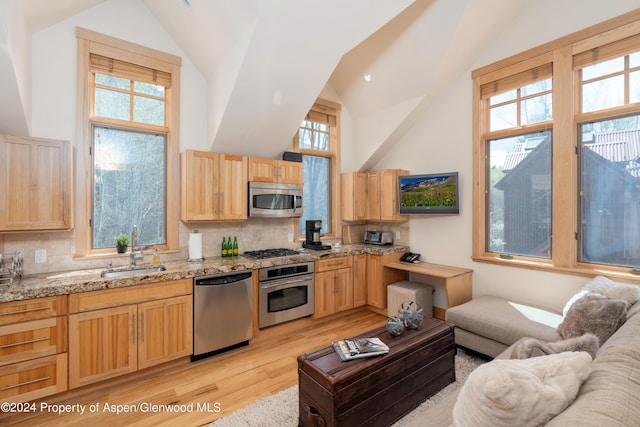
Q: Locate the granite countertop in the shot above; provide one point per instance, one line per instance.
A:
(70, 282)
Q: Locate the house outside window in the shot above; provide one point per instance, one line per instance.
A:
(130, 142)
(561, 191)
(317, 139)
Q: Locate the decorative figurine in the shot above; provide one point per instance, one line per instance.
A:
(395, 326)
(411, 315)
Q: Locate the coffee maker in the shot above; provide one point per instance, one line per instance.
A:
(312, 241)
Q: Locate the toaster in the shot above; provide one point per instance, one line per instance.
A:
(378, 237)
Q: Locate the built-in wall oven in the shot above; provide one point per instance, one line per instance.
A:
(285, 293)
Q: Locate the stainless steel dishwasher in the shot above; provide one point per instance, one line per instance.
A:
(222, 313)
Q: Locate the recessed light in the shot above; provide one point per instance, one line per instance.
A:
(367, 77)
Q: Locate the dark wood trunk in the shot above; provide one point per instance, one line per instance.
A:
(376, 391)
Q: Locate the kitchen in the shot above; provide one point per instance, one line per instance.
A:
(368, 143)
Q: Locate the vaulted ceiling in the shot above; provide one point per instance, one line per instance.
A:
(267, 61)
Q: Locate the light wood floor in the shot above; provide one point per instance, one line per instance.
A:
(226, 382)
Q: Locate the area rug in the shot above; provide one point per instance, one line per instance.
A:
(281, 409)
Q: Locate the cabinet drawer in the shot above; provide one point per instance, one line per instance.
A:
(95, 300)
(333, 264)
(33, 379)
(29, 340)
(39, 308)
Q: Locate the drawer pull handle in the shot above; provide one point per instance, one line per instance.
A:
(15, 344)
(26, 310)
(9, 387)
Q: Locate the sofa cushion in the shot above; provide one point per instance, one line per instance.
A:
(521, 392)
(504, 321)
(595, 314)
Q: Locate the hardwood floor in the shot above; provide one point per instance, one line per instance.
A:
(219, 385)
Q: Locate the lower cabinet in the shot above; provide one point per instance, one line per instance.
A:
(379, 277)
(33, 348)
(359, 280)
(143, 326)
(333, 286)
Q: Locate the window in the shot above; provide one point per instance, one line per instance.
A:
(131, 144)
(317, 140)
(557, 154)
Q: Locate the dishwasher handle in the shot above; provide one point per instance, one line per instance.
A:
(223, 279)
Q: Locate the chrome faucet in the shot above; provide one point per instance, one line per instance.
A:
(134, 256)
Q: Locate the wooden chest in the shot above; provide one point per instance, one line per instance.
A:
(376, 391)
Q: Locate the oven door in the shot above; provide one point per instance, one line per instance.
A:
(285, 299)
(275, 200)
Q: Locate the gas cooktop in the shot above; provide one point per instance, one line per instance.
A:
(270, 253)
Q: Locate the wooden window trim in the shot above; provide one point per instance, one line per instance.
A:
(328, 109)
(611, 35)
(91, 42)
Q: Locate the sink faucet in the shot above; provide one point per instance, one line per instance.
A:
(134, 255)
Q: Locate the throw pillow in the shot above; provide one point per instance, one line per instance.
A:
(614, 290)
(594, 314)
(573, 299)
(526, 392)
(525, 348)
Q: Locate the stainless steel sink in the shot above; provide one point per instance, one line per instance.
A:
(135, 271)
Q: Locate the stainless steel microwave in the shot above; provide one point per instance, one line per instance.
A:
(275, 200)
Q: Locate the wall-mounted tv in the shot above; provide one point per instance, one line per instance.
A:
(435, 193)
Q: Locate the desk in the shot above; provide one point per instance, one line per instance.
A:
(457, 281)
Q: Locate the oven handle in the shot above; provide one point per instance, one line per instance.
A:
(287, 282)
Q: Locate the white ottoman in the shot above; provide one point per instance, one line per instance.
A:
(406, 291)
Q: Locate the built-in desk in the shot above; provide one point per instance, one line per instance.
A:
(457, 281)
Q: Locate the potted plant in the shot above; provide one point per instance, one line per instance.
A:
(122, 241)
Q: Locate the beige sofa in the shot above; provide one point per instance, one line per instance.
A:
(610, 396)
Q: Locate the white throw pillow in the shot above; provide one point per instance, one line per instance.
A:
(614, 290)
(525, 392)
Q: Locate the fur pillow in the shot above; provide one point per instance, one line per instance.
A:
(595, 314)
(527, 392)
(614, 290)
(525, 348)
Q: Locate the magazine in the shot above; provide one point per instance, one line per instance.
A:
(357, 348)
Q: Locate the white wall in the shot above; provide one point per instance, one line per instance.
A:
(441, 141)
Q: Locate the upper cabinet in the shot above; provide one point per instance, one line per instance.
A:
(36, 190)
(213, 186)
(267, 170)
(371, 196)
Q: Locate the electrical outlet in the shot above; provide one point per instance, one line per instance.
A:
(397, 235)
(290, 237)
(41, 255)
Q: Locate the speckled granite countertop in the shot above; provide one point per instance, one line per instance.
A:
(70, 282)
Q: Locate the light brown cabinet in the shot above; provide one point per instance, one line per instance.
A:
(33, 354)
(379, 277)
(371, 196)
(213, 186)
(116, 331)
(333, 286)
(35, 184)
(354, 196)
(359, 280)
(267, 170)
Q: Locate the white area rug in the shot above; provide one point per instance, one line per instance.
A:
(281, 409)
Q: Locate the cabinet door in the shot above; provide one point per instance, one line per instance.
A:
(379, 277)
(343, 290)
(35, 184)
(373, 196)
(389, 195)
(262, 170)
(324, 294)
(233, 189)
(33, 379)
(29, 340)
(359, 280)
(102, 344)
(290, 172)
(199, 186)
(164, 330)
(354, 196)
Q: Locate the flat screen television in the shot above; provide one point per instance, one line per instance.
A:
(435, 193)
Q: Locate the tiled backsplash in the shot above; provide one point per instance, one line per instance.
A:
(253, 234)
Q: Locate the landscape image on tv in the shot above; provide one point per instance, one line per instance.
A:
(439, 192)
